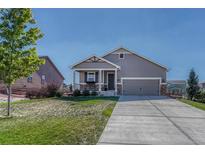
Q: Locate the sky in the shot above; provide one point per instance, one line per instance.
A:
(172, 37)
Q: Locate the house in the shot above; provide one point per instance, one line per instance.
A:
(46, 75)
(202, 85)
(176, 87)
(120, 72)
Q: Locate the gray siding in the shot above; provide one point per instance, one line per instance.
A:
(52, 75)
(48, 69)
(22, 83)
(135, 66)
(87, 65)
(82, 76)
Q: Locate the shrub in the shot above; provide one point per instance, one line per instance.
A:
(52, 90)
(59, 93)
(200, 97)
(31, 94)
(36, 93)
(43, 92)
(86, 92)
(49, 91)
(76, 92)
(70, 87)
(94, 93)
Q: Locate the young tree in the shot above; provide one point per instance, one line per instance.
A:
(18, 55)
(193, 87)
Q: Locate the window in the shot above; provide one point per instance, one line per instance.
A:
(91, 77)
(29, 79)
(121, 55)
(43, 79)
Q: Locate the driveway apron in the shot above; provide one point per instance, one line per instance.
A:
(154, 120)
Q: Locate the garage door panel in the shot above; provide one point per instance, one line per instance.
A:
(141, 87)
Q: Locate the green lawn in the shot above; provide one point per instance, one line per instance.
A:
(193, 103)
(56, 121)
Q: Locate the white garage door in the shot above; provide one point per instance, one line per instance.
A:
(141, 87)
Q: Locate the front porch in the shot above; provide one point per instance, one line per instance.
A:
(103, 81)
(96, 74)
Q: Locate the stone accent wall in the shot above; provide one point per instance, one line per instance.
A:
(91, 86)
(119, 89)
(163, 89)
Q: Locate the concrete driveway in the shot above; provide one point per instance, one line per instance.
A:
(154, 120)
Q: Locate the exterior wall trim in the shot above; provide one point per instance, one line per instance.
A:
(94, 69)
(83, 83)
(110, 62)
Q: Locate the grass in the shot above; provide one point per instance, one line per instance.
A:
(24, 101)
(193, 103)
(108, 111)
(56, 121)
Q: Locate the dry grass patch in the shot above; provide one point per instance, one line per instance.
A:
(56, 121)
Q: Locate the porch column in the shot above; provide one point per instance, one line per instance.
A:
(73, 80)
(103, 80)
(115, 81)
(100, 80)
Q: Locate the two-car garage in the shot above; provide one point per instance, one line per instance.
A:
(141, 86)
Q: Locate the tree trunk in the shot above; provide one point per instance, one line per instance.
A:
(9, 101)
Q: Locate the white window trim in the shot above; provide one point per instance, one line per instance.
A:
(123, 55)
(43, 75)
(30, 80)
(43, 80)
(94, 74)
(94, 69)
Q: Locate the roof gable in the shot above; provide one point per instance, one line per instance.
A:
(52, 64)
(127, 51)
(94, 59)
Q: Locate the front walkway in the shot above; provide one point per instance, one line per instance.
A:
(4, 98)
(154, 120)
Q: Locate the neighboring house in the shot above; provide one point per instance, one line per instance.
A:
(176, 87)
(202, 85)
(121, 72)
(46, 75)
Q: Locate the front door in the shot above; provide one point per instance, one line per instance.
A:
(111, 82)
